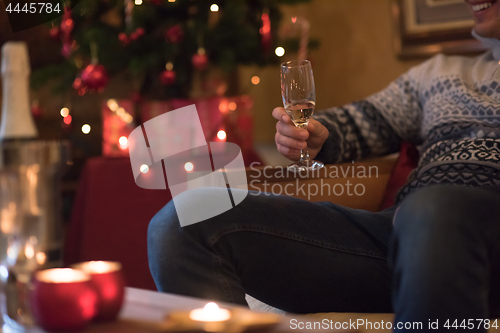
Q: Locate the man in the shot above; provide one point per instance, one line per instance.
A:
(435, 255)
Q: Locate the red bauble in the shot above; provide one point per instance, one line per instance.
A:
(36, 110)
(174, 34)
(200, 61)
(123, 38)
(140, 31)
(55, 33)
(79, 86)
(167, 77)
(134, 36)
(95, 77)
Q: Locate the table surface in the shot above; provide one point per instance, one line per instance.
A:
(145, 311)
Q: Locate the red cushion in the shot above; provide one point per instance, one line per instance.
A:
(406, 162)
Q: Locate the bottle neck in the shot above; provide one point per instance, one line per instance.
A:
(17, 121)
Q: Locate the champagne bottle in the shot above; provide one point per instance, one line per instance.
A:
(17, 121)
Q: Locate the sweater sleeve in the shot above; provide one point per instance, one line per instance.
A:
(374, 126)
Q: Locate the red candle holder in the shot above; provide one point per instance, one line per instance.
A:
(62, 299)
(109, 283)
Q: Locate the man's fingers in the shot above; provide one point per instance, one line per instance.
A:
(292, 154)
(280, 114)
(315, 127)
(292, 131)
(289, 142)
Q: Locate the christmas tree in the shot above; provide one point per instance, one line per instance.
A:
(161, 45)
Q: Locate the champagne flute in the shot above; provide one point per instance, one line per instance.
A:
(299, 99)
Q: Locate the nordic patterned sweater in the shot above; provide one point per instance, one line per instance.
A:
(449, 106)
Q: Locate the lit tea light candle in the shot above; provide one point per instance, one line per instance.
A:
(62, 290)
(210, 313)
(107, 280)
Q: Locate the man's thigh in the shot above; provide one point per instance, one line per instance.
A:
(304, 257)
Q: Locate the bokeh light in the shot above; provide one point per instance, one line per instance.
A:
(255, 80)
(280, 51)
(214, 8)
(221, 135)
(67, 120)
(188, 166)
(144, 168)
(64, 112)
(86, 129)
(123, 141)
(112, 104)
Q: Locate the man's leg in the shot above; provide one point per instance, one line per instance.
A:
(292, 254)
(445, 256)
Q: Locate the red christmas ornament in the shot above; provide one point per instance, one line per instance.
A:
(140, 31)
(36, 109)
(79, 86)
(174, 34)
(67, 25)
(265, 32)
(168, 77)
(200, 60)
(123, 38)
(134, 36)
(55, 33)
(95, 77)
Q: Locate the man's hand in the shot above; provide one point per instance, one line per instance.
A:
(290, 139)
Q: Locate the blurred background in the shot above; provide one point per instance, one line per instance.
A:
(350, 45)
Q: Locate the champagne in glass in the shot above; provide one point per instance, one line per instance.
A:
(299, 99)
(301, 112)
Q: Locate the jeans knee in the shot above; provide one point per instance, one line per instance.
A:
(441, 208)
(162, 228)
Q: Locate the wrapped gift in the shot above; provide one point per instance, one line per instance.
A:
(222, 118)
(118, 122)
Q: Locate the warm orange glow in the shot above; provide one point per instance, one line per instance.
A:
(123, 141)
(210, 313)
(232, 106)
(280, 51)
(224, 106)
(255, 80)
(221, 135)
(40, 258)
(62, 275)
(112, 104)
(98, 267)
(189, 167)
(29, 251)
(144, 168)
(86, 129)
(294, 19)
(64, 112)
(67, 120)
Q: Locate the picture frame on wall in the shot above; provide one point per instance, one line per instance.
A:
(423, 28)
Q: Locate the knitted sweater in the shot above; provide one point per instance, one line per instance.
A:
(448, 105)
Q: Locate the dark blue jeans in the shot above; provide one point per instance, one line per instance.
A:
(435, 257)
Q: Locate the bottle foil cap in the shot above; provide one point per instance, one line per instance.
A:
(15, 58)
